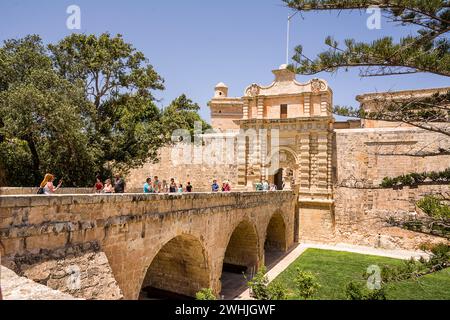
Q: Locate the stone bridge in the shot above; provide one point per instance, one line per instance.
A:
(177, 243)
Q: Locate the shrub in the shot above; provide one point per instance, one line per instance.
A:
(306, 284)
(418, 177)
(406, 180)
(205, 294)
(358, 291)
(387, 183)
(277, 291)
(434, 176)
(434, 207)
(262, 290)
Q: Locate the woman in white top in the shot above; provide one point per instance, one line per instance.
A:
(47, 184)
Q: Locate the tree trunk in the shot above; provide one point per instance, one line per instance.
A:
(34, 157)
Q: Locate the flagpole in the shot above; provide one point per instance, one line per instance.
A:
(288, 35)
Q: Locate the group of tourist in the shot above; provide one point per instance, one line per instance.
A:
(108, 187)
(155, 186)
(47, 186)
(265, 186)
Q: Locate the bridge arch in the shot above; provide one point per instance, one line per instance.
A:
(179, 270)
(276, 235)
(276, 239)
(242, 256)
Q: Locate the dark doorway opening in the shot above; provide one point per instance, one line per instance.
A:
(278, 179)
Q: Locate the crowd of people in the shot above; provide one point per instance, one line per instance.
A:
(150, 186)
(155, 186)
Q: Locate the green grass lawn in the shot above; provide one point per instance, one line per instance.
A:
(335, 269)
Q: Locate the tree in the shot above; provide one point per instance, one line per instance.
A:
(182, 113)
(39, 125)
(82, 108)
(121, 119)
(427, 51)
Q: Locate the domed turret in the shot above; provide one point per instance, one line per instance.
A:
(221, 90)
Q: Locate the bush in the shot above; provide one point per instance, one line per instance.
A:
(434, 207)
(434, 176)
(418, 177)
(205, 294)
(262, 290)
(358, 291)
(306, 284)
(387, 183)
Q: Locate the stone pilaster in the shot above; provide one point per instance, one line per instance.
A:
(307, 105)
(245, 108)
(313, 152)
(304, 165)
(322, 161)
(323, 104)
(260, 106)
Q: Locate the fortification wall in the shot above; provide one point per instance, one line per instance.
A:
(363, 157)
(200, 175)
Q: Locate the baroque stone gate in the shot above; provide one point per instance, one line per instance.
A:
(289, 130)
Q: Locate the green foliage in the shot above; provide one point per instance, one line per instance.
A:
(306, 284)
(262, 290)
(407, 270)
(84, 107)
(205, 294)
(426, 51)
(182, 113)
(416, 179)
(15, 159)
(358, 291)
(434, 207)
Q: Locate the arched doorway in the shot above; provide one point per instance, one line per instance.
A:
(178, 271)
(275, 244)
(241, 260)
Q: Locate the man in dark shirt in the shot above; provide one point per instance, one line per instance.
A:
(189, 187)
(119, 185)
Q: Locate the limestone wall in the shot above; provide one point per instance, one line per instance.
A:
(8, 191)
(200, 175)
(363, 157)
(15, 287)
(113, 238)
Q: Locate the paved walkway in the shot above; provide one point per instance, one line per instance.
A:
(299, 249)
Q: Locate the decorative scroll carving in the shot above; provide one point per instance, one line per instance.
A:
(317, 86)
(253, 90)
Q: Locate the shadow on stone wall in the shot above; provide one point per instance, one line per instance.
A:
(82, 271)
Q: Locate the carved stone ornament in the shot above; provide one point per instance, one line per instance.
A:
(317, 86)
(252, 91)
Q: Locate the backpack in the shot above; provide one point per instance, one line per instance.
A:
(41, 191)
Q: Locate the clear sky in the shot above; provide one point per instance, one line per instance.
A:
(196, 44)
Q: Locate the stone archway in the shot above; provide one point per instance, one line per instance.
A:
(275, 244)
(178, 271)
(241, 258)
(286, 174)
